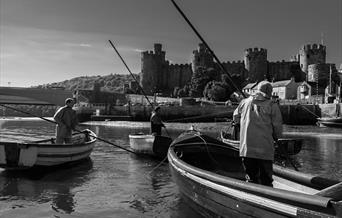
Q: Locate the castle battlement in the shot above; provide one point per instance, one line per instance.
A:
(312, 47)
(157, 72)
(256, 51)
(179, 66)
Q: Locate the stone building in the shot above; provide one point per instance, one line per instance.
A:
(158, 75)
(285, 89)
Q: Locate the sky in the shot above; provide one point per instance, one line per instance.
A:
(46, 41)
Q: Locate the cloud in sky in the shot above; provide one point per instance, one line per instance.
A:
(54, 40)
(77, 44)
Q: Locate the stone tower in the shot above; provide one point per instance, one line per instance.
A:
(153, 70)
(201, 58)
(256, 64)
(311, 54)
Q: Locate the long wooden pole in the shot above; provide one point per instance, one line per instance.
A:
(51, 121)
(211, 51)
(123, 61)
(142, 90)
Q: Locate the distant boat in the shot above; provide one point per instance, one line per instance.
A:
(153, 145)
(330, 121)
(45, 153)
(210, 177)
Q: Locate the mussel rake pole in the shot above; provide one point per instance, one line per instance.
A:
(123, 61)
(211, 51)
(80, 131)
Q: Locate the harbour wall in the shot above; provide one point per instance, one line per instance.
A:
(294, 114)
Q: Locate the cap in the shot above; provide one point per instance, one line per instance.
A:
(68, 100)
(265, 88)
(157, 108)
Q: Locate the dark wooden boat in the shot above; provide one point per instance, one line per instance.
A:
(153, 145)
(330, 121)
(46, 153)
(210, 176)
(283, 147)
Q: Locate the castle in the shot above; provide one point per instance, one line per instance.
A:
(158, 75)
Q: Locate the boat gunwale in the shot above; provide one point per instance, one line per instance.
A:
(257, 189)
(41, 144)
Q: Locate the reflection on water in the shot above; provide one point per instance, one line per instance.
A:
(114, 183)
(44, 185)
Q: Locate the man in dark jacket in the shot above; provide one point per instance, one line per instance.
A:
(66, 120)
(156, 122)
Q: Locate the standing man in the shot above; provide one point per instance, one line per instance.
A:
(156, 122)
(66, 120)
(260, 125)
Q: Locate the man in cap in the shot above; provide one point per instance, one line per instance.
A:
(66, 120)
(260, 125)
(156, 122)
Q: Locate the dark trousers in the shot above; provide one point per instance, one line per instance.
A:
(156, 129)
(258, 171)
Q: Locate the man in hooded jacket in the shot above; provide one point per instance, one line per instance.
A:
(66, 120)
(260, 126)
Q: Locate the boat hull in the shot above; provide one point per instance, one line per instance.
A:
(331, 122)
(226, 194)
(153, 145)
(45, 153)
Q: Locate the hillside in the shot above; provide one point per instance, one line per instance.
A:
(110, 83)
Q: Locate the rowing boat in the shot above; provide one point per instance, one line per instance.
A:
(283, 146)
(210, 176)
(46, 153)
(153, 145)
(330, 121)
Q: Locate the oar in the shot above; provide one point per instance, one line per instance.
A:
(51, 121)
(24, 112)
(334, 192)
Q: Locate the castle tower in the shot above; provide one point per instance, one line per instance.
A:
(311, 54)
(201, 58)
(256, 64)
(153, 70)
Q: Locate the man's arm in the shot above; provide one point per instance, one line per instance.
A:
(58, 117)
(237, 114)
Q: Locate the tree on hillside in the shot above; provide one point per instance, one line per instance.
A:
(199, 80)
(216, 91)
(110, 83)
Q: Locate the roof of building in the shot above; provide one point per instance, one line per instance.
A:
(250, 85)
(281, 83)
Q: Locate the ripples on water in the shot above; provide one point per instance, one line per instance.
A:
(114, 183)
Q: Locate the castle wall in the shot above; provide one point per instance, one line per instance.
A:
(311, 54)
(179, 75)
(153, 70)
(283, 70)
(202, 58)
(236, 68)
(158, 75)
(320, 73)
(256, 64)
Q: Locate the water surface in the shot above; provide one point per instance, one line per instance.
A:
(115, 183)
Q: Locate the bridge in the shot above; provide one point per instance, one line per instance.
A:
(34, 96)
